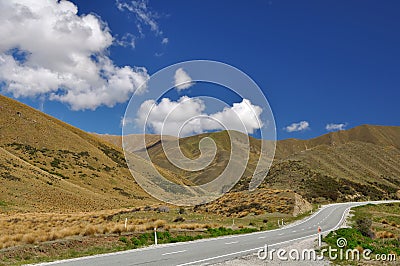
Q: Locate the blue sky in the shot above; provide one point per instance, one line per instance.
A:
(320, 62)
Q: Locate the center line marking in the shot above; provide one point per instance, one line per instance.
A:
(174, 252)
(234, 242)
(261, 237)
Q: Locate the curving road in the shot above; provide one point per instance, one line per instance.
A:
(213, 250)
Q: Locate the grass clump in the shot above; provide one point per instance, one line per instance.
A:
(374, 228)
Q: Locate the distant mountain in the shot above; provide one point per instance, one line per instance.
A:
(378, 135)
(359, 163)
(135, 141)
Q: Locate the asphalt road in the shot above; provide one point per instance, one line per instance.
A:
(207, 251)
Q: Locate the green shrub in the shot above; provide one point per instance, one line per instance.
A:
(55, 163)
(136, 242)
(123, 239)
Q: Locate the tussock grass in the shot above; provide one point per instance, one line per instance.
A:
(384, 234)
(34, 228)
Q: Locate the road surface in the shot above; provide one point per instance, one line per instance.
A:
(207, 251)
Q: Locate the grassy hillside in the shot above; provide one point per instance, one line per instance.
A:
(190, 148)
(384, 136)
(48, 165)
(356, 164)
(134, 142)
(360, 163)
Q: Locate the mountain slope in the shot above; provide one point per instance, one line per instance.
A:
(384, 136)
(48, 165)
(360, 163)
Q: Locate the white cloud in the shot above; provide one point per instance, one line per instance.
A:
(65, 56)
(239, 115)
(165, 41)
(301, 126)
(126, 121)
(186, 117)
(178, 112)
(182, 80)
(334, 127)
(127, 40)
(144, 16)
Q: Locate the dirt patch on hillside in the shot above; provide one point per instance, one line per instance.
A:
(301, 205)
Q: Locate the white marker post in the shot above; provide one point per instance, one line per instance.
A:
(319, 236)
(155, 235)
(126, 223)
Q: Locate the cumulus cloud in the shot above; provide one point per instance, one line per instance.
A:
(301, 126)
(334, 127)
(182, 80)
(47, 49)
(187, 116)
(239, 115)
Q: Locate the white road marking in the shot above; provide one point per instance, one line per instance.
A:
(224, 237)
(240, 252)
(217, 257)
(174, 252)
(233, 242)
(261, 237)
(294, 231)
(280, 234)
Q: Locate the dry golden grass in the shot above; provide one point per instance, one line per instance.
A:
(384, 234)
(191, 226)
(242, 203)
(33, 228)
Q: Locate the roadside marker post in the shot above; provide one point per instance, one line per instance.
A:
(126, 223)
(155, 235)
(319, 236)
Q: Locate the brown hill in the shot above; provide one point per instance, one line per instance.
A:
(135, 141)
(46, 164)
(384, 136)
(357, 164)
